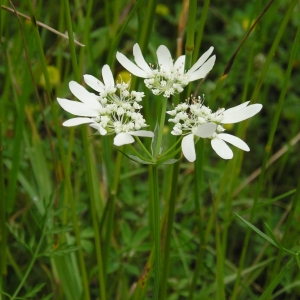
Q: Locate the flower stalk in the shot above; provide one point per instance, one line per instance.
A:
(156, 230)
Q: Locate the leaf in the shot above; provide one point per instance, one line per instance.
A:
(264, 236)
(169, 161)
(136, 159)
(31, 293)
(275, 240)
(61, 250)
(60, 230)
(140, 236)
(48, 297)
(126, 234)
(154, 140)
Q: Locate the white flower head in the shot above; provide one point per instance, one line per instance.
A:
(168, 78)
(107, 112)
(88, 110)
(108, 87)
(191, 121)
(232, 115)
(197, 120)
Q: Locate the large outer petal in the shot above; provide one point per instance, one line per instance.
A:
(77, 108)
(130, 66)
(233, 140)
(188, 147)
(235, 108)
(143, 133)
(77, 121)
(179, 64)
(94, 83)
(123, 138)
(206, 130)
(201, 60)
(83, 95)
(164, 58)
(97, 126)
(241, 114)
(139, 59)
(203, 70)
(221, 148)
(107, 76)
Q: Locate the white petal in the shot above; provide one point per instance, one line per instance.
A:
(77, 121)
(188, 147)
(235, 108)
(164, 58)
(206, 130)
(107, 76)
(97, 126)
(130, 66)
(241, 114)
(83, 95)
(77, 108)
(144, 133)
(139, 59)
(201, 60)
(94, 83)
(221, 148)
(203, 70)
(123, 138)
(235, 141)
(179, 64)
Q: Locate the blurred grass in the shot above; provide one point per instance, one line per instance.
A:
(32, 177)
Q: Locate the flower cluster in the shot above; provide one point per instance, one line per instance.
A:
(195, 119)
(168, 78)
(116, 109)
(107, 111)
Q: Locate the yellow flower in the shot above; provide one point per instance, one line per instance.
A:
(54, 77)
(246, 24)
(124, 76)
(162, 10)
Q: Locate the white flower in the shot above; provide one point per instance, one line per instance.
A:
(124, 138)
(88, 109)
(188, 145)
(199, 121)
(107, 112)
(232, 115)
(191, 120)
(103, 89)
(168, 78)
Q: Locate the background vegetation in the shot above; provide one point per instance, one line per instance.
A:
(69, 199)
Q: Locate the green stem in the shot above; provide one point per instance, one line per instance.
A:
(170, 220)
(156, 229)
(111, 209)
(138, 154)
(112, 53)
(203, 18)
(147, 24)
(91, 190)
(168, 157)
(3, 229)
(189, 45)
(142, 146)
(173, 146)
(161, 126)
(198, 165)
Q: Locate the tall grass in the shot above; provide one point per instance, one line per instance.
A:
(79, 220)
